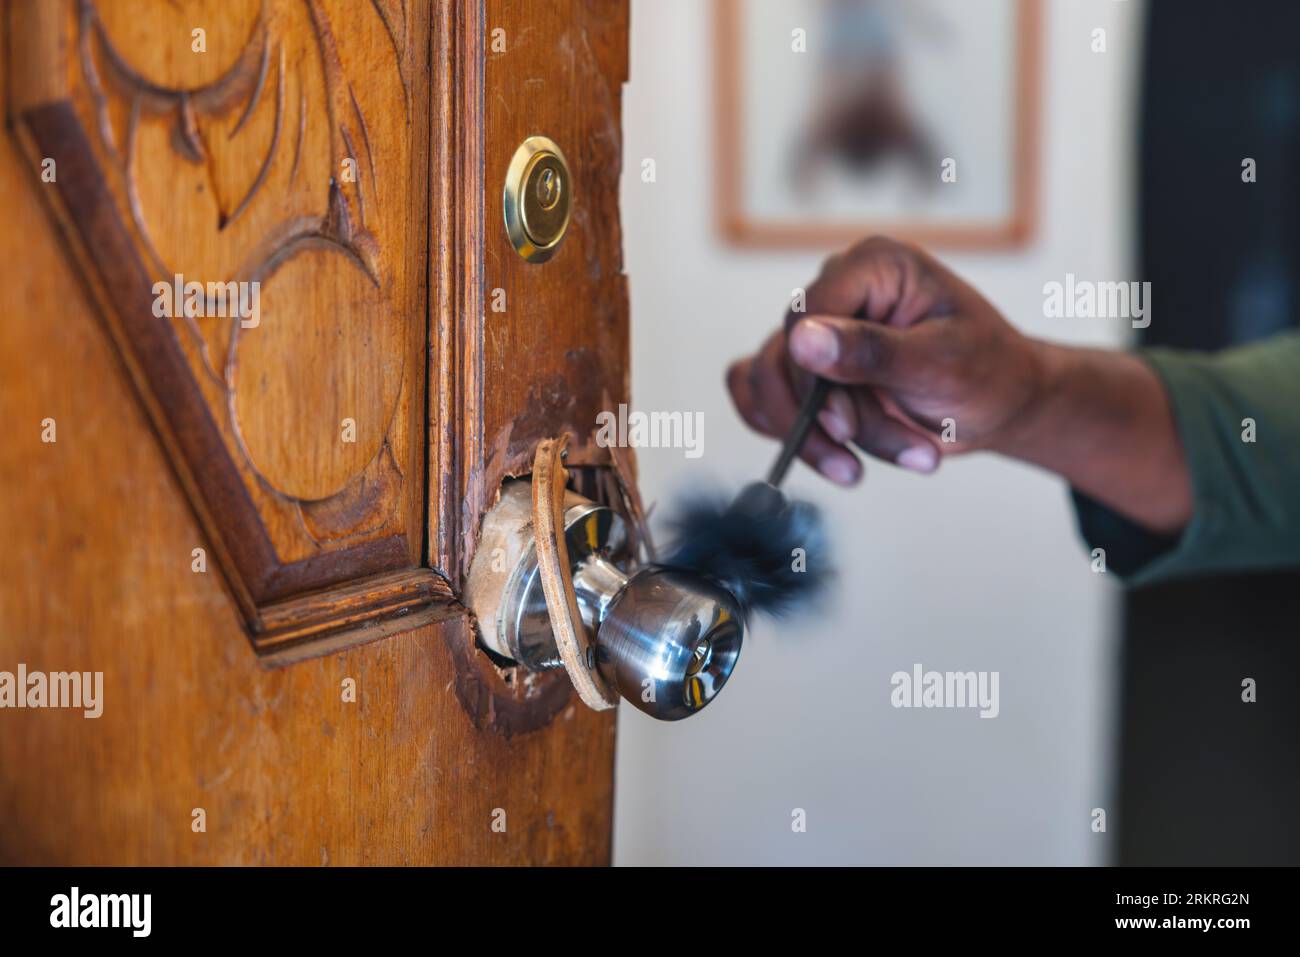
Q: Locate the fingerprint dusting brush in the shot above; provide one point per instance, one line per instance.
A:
(769, 552)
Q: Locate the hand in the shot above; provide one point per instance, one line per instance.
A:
(918, 355)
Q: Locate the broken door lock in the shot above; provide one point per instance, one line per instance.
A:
(664, 640)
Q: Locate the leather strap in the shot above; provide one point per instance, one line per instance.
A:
(577, 650)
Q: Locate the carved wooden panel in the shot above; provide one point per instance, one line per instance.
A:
(375, 305)
(282, 146)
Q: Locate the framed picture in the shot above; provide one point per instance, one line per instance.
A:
(839, 119)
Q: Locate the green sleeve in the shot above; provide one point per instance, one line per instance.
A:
(1246, 495)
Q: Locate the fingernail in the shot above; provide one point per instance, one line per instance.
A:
(840, 469)
(813, 344)
(834, 425)
(919, 458)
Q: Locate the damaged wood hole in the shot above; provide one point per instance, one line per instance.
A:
(504, 666)
(498, 693)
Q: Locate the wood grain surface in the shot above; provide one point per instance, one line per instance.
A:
(344, 562)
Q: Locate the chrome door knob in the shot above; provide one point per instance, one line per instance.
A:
(669, 642)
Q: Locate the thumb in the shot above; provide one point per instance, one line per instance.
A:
(856, 351)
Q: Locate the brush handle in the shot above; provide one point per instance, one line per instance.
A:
(799, 431)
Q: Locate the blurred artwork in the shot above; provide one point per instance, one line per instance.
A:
(841, 118)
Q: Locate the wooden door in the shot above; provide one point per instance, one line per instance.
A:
(256, 523)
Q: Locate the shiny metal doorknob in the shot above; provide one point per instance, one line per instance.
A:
(667, 640)
(670, 641)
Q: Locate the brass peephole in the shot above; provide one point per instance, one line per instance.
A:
(538, 198)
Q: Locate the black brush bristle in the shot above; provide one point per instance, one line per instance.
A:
(750, 544)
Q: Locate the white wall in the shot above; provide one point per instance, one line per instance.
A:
(977, 568)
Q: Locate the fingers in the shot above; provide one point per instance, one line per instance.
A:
(857, 416)
(755, 404)
(838, 416)
(766, 400)
(880, 280)
(884, 437)
(854, 352)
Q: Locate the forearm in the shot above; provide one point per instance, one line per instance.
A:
(1103, 421)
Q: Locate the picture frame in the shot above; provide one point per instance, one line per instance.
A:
(758, 125)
